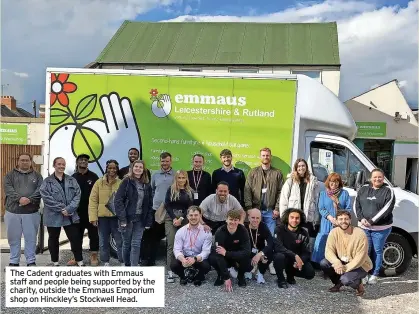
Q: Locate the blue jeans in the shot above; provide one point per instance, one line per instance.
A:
(376, 241)
(16, 225)
(131, 247)
(106, 227)
(268, 220)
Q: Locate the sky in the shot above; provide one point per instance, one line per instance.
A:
(378, 39)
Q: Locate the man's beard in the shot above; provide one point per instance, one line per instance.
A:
(347, 226)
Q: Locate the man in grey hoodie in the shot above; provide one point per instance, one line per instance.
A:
(21, 188)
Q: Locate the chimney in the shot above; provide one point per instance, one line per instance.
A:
(9, 101)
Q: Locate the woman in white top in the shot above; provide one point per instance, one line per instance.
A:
(301, 191)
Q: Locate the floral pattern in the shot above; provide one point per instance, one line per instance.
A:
(60, 87)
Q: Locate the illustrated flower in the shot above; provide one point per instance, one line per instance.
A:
(60, 88)
(154, 92)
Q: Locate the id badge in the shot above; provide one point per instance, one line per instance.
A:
(255, 250)
(264, 190)
(195, 196)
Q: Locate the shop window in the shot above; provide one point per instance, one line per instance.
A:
(313, 74)
(243, 70)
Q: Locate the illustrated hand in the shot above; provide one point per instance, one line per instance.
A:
(97, 137)
(163, 107)
(119, 129)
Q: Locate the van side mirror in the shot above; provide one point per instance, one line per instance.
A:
(360, 179)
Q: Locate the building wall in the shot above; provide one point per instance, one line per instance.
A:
(380, 105)
(35, 128)
(329, 77)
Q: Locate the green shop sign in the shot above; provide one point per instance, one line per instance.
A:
(371, 129)
(13, 134)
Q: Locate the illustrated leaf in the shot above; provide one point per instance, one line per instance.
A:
(58, 116)
(86, 106)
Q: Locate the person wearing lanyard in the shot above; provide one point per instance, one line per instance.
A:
(199, 180)
(262, 245)
(191, 249)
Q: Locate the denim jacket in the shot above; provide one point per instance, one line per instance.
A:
(55, 201)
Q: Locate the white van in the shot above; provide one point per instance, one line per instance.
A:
(106, 112)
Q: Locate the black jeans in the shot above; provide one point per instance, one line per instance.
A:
(284, 262)
(92, 233)
(222, 264)
(202, 267)
(263, 267)
(73, 235)
(351, 278)
(214, 225)
(150, 242)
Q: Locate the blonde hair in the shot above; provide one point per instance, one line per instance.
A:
(174, 188)
(144, 176)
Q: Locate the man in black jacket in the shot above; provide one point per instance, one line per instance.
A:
(233, 176)
(133, 155)
(261, 243)
(199, 180)
(291, 249)
(86, 179)
(232, 249)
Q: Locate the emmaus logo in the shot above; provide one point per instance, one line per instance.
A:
(161, 105)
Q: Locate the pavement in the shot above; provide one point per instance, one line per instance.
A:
(390, 295)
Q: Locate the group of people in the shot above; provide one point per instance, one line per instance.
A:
(240, 226)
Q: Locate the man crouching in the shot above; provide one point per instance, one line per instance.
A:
(232, 249)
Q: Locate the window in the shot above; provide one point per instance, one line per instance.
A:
(313, 74)
(327, 158)
(190, 70)
(243, 70)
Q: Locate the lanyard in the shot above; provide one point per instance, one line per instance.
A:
(197, 179)
(264, 176)
(192, 244)
(251, 235)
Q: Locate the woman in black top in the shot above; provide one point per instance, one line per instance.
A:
(178, 199)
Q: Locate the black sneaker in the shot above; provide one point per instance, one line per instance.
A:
(13, 265)
(197, 283)
(31, 264)
(282, 284)
(291, 280)
(219, 281)
(183, 281)
(241, 281)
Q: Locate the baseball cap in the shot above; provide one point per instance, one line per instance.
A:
(83, 156)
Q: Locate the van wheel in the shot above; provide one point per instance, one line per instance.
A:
(397, 255)
(112, 243)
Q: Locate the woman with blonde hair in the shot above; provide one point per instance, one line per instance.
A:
(177, 201)
(134, 209)
(330, 201)
(301, 191)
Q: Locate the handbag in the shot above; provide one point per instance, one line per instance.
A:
(160, 214)
(110, 205)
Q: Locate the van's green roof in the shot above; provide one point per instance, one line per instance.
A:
(191, 43)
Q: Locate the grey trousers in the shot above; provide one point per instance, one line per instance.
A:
(351, 278)
(16, 225)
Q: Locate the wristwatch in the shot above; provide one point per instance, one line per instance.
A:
(261, 252)
(196, 260)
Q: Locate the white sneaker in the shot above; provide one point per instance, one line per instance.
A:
(272, 269)
(233, 272)
(106, 264)
(365, 280)
(170, 277)
(248, 275)
(260, 278)
(373, 280)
